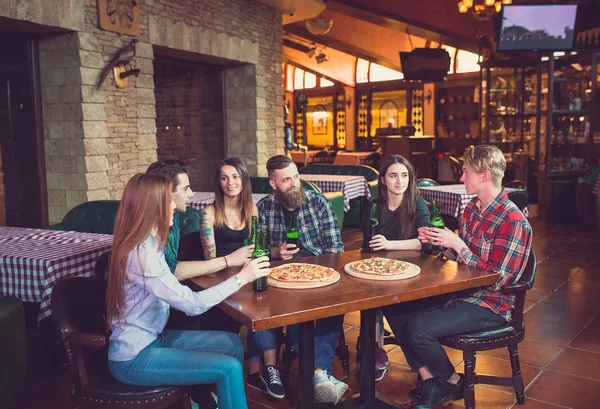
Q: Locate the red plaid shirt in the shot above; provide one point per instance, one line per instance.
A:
(499, 236)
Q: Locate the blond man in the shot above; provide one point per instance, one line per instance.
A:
(494, 236)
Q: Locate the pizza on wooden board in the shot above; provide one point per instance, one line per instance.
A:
(380, 266)
(302, 273)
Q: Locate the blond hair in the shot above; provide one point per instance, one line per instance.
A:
(486, 157)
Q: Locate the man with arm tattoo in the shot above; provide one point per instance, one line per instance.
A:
(494, 236)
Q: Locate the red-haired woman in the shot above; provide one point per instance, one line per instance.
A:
(141, 290)
(225, 227)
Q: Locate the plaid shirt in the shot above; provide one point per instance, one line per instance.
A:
(317, 222)
(499, 236)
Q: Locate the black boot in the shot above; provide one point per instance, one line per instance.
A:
(433, 395)
(416, 392)
(457, 390)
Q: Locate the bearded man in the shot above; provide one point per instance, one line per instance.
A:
(318, 233)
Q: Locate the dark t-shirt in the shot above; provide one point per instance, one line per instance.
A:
(388, 222)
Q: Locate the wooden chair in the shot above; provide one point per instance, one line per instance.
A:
(78, 311)
(520, 198)
(508, 335)
(320, 157)
(516, 184)
(372, 160)
(456, 167)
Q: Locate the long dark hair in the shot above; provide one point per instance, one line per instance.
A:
(245, 204)
(408, 207)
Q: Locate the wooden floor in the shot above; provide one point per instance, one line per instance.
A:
(560, 357)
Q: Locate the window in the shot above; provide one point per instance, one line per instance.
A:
(380, 73)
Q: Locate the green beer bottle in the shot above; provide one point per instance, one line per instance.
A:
(253, 231)
(437, 221)
(260, 250)
(292, 233)
(373, 225)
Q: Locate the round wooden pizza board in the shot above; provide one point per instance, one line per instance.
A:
(302, 286)
(413, 271)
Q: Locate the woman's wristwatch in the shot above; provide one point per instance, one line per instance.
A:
(239, 282)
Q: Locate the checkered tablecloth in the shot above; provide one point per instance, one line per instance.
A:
(596, 188)
(453, 197)
(32, 261)
(203, 199)
(351, 186)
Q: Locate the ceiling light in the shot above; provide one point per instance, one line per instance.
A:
(319, 26)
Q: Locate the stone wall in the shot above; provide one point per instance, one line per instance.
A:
(96, 140)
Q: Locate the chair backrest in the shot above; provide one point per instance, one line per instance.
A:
(372, 160)
(516, 184)
(424, 182)
(101, 269)
(520, 288)
(519, 198)
(456, 167)
(97, 216)
(320, 157)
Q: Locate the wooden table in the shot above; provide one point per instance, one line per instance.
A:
(352, 186)
(277, 307)
(304, 157)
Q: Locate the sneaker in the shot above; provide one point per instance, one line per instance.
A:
(253, 380)
(380, 374)
(325, 391)
(381, 358)
(271, 382)
(340, 389)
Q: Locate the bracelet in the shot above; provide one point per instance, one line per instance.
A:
(226, 263)
(239, 282)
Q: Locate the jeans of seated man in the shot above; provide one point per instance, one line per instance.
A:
(261, 341)
(418, 326)
(327, 333)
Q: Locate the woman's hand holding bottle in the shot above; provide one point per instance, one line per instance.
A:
(257, 268)
(241, 256)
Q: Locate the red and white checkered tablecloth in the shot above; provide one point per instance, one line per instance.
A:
(453, 197)
(32, 261)
(596, 188)
(203, 199)
(351, 186)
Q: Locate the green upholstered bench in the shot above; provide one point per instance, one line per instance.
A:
(352, 216)
(97, 216)
(13, 352)
(261, 185)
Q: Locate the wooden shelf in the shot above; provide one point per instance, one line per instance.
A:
(570, 112)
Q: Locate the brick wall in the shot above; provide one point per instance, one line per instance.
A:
(96, 140)
(189, 117)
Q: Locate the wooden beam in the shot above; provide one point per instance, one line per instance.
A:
(417, 28)
(344, 47)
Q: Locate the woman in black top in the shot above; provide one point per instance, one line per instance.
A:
(224, 228)
(400, 212)
(400, 208)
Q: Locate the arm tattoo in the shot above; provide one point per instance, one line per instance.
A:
(207, 237)
(465, 253)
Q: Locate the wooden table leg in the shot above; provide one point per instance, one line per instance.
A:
(306, 365)
(367, 359)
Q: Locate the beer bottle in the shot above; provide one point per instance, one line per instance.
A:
(437, 221)
(373, 225)
(292, 233)
(260, 250)
(253, 231)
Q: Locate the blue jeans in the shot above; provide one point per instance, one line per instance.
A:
(418, 326)
(261, 341)
(190, 358)
(327, 333)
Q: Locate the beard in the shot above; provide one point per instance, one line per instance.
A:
(292, 199)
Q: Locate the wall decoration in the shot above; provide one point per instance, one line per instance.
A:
(319, 115)
(388, 114)
(121, 16)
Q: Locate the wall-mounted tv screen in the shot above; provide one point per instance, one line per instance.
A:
(537, 27)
